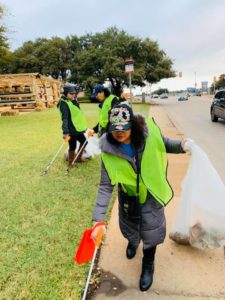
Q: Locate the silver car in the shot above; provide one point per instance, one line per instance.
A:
(163, 96)
(183, 97)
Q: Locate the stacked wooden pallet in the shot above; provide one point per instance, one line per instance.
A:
(29, 90)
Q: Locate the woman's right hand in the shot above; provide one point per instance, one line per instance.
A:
(66, 137)
(98, 227)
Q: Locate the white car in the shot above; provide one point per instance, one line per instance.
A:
(183, 97)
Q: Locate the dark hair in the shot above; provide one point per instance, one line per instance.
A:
(139, 131)
(106, 92)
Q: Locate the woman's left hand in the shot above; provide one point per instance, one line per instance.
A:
(187, 144)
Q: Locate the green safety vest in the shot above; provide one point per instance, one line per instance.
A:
(153, 169)
(77, 116)
(104, 111)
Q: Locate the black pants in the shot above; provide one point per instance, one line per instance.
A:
(149, 254)
(73, 141)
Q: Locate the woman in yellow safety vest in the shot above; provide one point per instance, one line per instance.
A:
(107, 101)
(73, 122)
(134, 157)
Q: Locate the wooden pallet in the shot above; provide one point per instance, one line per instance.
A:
(29, 89)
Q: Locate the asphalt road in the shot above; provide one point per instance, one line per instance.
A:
(192, 118)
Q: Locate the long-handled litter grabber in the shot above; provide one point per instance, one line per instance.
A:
(87, 250)
(45, 171)
(97, 244)
(89, 135)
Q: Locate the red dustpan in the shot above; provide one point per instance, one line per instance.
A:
(86, 248)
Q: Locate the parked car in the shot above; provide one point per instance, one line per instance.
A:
(163, 96)
(198, 94)
(183, 97)
(217, 109)
(155, 96)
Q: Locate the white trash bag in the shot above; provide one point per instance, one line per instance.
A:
(200, 217)
(91, 149)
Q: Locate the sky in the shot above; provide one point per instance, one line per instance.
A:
(191, 32)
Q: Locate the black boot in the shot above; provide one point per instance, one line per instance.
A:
(146, 278)
(131, 251)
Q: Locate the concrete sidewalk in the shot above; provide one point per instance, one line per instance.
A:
(181, 272)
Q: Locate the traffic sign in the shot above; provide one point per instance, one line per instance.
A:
(129, 65)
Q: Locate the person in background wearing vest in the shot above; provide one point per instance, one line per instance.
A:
(107, 101)
(73, 121)
(134, 158)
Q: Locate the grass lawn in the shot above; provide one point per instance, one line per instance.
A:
(42, 217)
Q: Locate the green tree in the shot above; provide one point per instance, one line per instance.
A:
(57, 58)
(221, 82)
(92, 59)
(101, 57)
(25, 58)
(161, 91)
(76, 47)
(5, 54)
(48, 57)
(218, 84)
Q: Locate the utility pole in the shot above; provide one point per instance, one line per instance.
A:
(214, 84)
(129, 68)
(195, 82)
(130, 87)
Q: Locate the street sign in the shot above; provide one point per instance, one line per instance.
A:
(129, 65)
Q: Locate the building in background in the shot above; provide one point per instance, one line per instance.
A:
(204, 87)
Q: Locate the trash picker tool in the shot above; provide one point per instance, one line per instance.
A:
(97, 244)
(45, 171)
(89, 134)
(87, 250)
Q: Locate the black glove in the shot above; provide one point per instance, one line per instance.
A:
(95, 128)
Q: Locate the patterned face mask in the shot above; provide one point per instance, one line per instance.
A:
(119, 119)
